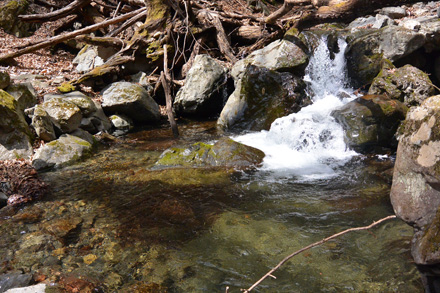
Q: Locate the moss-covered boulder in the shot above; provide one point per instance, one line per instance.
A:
(415, 192)
(5, 80)
(407, 84)
(131, 100)
(65, 115)
(9, 10)
(15, 135)
(64, 151)
(224, 153)
(370, 121)
(202, 94)
(25, 97)
(260, 97)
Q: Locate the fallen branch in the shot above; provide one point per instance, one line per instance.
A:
(269, 274)
(57, 14)
(58, 39)
(165, 80)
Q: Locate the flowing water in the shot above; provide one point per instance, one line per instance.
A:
(113, 221)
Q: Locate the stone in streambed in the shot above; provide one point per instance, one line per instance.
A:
(65, 115)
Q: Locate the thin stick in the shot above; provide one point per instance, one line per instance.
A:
(313, 245)
(165, 79)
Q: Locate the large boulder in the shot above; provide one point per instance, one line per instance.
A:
(415, 193)
(65, 115)
(370, 121)
(281, 55)
(260, 97)
(66, 150)
(131, 100)
(407, 84)
(9, 10)
(15, 135)
(5, 80)
(202, 93)
(224, 153)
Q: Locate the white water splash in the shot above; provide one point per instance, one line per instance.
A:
(310, 143)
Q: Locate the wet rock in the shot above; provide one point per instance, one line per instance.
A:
(25, 98)
(121, 123)
(39, 288)
(15, 135)
(407, 84)
(9, 10)
(5, 80)
(260, 97)
(131, 100)
(370, 121)
(42, 123)
(393, 12)
(64, 151)
(14, 280)
(225, 152)
(202, 93)
(65, 115)
(415, 193)
(281, 55)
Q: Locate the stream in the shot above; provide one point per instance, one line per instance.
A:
(117, 223)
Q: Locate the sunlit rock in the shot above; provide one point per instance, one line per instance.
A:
(65, 115)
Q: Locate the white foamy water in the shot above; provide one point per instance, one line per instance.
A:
(310, 143)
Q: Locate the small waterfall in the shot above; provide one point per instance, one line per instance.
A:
(310, 143)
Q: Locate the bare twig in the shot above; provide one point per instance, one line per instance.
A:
(269, 274)
(165, 79)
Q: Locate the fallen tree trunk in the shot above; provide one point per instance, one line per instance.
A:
(68, 36)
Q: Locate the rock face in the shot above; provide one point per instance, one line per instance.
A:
(64, 114)
(370, 121)
(131, 100)
(202, 93)
(15, 135)
(415, 193)
(224, 153)
(260, 97)
(61, 152)
(407, 84)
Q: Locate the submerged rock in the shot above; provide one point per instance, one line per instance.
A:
(202, 93)
(415, 193)
(407, 84)
(260, 97)
(15, 135)
(132, 100)
(61, 152)
(370, 121)
(224, 153)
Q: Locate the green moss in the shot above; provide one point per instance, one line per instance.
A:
(66, 87)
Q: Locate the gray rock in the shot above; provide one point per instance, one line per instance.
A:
(407, 84)
(15, 136)
(362, 22)
(36, 80)
(25, 98)
(42, 123)
(141, 78)
(66, 150)
(415, 192)
(14, 280)
(260, 97)
(131, 100)
(99, 120)
(65, 115)
(85, 103)
(85, 136)
(49, 97)
(39, 288)
(5, 80)
(370, 121)
(281, 55)
(121, 123)
(411, 24)
(201, 93)
(393, 12)
(382, 21)
(87, 59)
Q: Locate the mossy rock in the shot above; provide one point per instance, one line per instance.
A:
(224, 153)
(15, 135)
(9, 10)
(371, 121)
(407, 84)
(65, 115)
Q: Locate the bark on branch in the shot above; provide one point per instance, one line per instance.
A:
(57, 14)
(269, 274)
